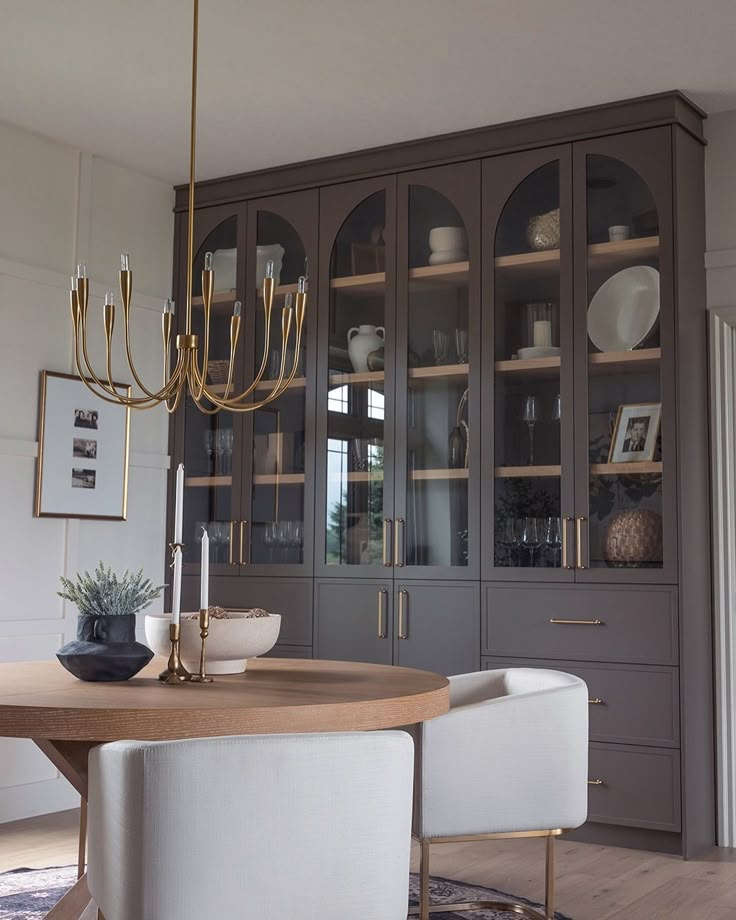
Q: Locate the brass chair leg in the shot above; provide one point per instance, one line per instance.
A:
(82, 852)
(424, 880)
(99, 914)
(549, 880)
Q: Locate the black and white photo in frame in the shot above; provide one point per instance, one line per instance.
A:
(635, 434)
(83, 444)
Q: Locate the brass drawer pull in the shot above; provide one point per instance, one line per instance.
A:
(387, 523)
(596, 782)
(596, 701)
(566, 521)
(558, 622)
(399, 547)
(241, 560)
(382, 595)
(403, 594)
(231, 544)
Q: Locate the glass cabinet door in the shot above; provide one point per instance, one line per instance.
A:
(210, 445)
(528, 344)
(625, 315)
(436, 520)
(274, 528)
(355, 419)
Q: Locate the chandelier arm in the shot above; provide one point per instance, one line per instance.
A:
(109, 315)
(126, 289)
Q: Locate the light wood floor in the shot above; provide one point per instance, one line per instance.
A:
(593, 882)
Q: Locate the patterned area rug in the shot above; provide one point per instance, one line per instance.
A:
(28, 894)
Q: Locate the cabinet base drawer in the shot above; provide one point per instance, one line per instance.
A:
(581, 623)
(290, 651)
(629, 704)
(634, 786)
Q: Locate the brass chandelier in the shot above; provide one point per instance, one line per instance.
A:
(188, 373)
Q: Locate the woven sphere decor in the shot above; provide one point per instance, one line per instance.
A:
(633, 538)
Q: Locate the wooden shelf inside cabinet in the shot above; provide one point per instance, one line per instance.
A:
(533, 367)
(278, 479)
(439, 474)
(228, 298)
(207, 482)
(443, 371)
(361, 377)
(607, 362)
(527, 472)
(358, 476)
(450, 274)
(296, 384)
(600, 256)
(360, 284)
(626, 469)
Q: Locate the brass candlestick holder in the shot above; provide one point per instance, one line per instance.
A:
(204, 629)
(175, 672)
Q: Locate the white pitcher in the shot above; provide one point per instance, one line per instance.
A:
(362, 340)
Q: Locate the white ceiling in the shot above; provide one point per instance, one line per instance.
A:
(289, 80)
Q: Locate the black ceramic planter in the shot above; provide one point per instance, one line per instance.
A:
(105, 649)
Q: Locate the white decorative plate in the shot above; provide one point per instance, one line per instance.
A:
(624, 309)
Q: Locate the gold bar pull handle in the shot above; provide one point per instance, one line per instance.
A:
(382, 597)
(557, 621)
(399, 547)
(596, 701)
(241, 554)
(387, 524)
(566, 564)
(403, 596)
(596, 782)
(579, 542)
(231, 544)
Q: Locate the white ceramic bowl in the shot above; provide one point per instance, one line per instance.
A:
(275, 252)
(444, 238)
(230, 642)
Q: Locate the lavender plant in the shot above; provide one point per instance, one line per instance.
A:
(108, 595)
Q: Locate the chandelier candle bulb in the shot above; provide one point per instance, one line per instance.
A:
(238, 308)
(269, 268)
(204, 589)
(124, 262)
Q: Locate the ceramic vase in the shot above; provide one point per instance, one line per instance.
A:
(105, 649)
(362, 340)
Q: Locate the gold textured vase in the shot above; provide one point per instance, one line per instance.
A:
(633, 538)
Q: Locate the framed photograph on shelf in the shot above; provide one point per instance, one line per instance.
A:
(635, 433)
(83, 444)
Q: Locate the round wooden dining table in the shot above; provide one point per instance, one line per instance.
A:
(66, 717)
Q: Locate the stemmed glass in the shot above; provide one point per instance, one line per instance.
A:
(530, 415)
(553, 537)
(509, 537)
(533, 536)
(440, 340)
(209, 446)
(461, 345)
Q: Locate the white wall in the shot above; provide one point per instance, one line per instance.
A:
(59, 205)
(720, 205)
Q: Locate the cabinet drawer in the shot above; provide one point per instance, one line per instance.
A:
(291, 597)
(289, 651)
(640, 787)
(639, 705)
(637, 625)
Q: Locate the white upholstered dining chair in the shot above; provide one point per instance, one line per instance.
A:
(262, 827)
(510, 759)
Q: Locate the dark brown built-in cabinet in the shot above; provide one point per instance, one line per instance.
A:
(495, 451)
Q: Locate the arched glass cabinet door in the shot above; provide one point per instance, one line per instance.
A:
(355, 390)
(438, 352)
(275, 526)
(209, 445)
(528, 345)
(624, 508)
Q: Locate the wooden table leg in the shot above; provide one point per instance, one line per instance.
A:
(82, 851)
(70, 759)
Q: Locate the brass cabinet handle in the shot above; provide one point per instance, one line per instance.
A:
(595, 782)
(559, 622)
(399, 548)
(231, 544)
(403, 594)
(566, 521)
(596, 701)
(579, 542)
(241, 560)
(382, 596)
(387, 522)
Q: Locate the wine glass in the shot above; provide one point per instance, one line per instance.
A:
(209, 446)
(509, 537)
(440, 340)
(461, 345)
(553, 537)
(532, 536)
(227, 438)
(530, 415)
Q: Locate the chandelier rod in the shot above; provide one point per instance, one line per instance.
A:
(192, 160)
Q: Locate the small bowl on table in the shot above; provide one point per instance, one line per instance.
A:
(230, 642)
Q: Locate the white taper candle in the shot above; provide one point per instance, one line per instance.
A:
(179, 506)
(204, 587)
(176, 589)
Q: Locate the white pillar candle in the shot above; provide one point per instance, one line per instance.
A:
(542, 333)
(179, 506)
(204, 587)
(176, 589)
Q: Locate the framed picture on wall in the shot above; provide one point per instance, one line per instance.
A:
(635, 434)
(83, 444)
